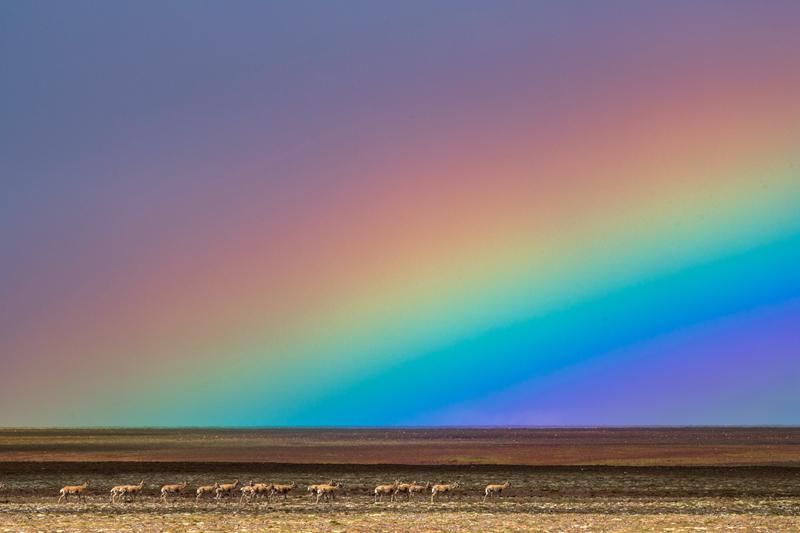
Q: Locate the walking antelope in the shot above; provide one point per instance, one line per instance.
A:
(172, 490)
(312, 489)
(416, 488)
(257, 490)
(382, 490)
(134, 490)
(328, 491)
(72, 490)
(443, 488)
(283, 490)
(206, 489)
(402, 488)
(226, 489)
(495, 490)
(263, 490)
(126, 490)
(248, 491)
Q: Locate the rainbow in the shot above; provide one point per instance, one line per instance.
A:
(496, 215)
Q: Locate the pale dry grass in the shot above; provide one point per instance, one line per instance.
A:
(358, 513)
(207, 521)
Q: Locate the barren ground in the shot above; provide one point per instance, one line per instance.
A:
(565, 480)
(592, 446)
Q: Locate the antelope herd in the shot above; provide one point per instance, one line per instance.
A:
(253, 490)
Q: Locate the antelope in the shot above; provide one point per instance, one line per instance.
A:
(328, 491)
(248, 491)
(72, 490)
(206, 489)
(167, 490)
(254, 489)
(443, 488)
(282, 489)
(134, 490)
(312, 489)
(382, 490)
(226, 489)
(263, 490)
(402, 488)
(495, 490)
(126, 490)
(416, 488)
(117, 490)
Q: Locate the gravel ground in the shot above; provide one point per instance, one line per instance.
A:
(539, 498)
(360, 513)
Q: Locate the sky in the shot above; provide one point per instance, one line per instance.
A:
(399, 214)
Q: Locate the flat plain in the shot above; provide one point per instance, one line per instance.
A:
(659, 479)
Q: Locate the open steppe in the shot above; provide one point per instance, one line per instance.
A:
(561, 479)
(515, 446)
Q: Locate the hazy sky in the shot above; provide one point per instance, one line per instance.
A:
(366, 213)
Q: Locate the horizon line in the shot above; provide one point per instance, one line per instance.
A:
(409, 427)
